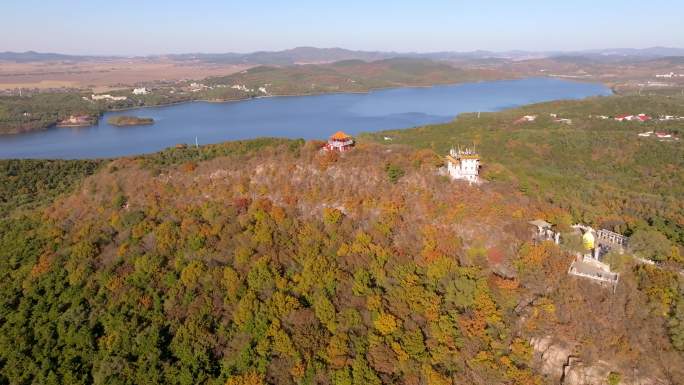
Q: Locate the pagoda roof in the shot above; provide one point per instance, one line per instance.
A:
(339, 135)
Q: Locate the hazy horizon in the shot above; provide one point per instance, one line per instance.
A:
(129, 28)
(325, 48)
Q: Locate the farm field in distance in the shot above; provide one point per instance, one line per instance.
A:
(104, 75)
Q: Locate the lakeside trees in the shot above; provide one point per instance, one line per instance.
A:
(19, 114)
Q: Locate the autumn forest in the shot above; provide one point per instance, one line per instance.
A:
(272, 262)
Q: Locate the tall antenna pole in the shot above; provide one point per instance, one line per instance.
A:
(196, 143)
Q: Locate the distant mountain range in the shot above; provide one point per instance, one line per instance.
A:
(301, 55)
(32, 56)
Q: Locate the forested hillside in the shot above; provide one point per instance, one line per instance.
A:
(29, 183)
(599, 170)
(351, 76)
(20, 114)
(270, 262)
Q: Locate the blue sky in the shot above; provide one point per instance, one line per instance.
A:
(135, 27)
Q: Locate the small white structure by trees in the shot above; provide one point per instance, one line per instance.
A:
(463, 165)
(141, 91)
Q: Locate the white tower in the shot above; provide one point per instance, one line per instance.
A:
(464, 165)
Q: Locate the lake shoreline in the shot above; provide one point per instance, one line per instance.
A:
(312, 116)
(369, 91)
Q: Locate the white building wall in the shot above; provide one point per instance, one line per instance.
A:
(463, 168)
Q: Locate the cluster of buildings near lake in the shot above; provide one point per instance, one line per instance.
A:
(663, 136)
(77, 121)
(669, 75)
(532, 118)
(136, 91)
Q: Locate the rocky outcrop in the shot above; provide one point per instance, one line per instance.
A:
(557, 361)
(576, 372)
(552, 357)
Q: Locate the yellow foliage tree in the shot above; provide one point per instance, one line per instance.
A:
(433, 377)
(386, 323)
(249, 378)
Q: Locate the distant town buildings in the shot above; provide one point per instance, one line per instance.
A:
(107, 97)
(560, 120)
(76, 121)
(660, 135)
(339, 141)
(197, 87)
(463, 165)
(141, 91)
(668, 75)
(526, 118)
(639, 118)
(244, 88)
(663, 135)
(241, 87)
(670, 117)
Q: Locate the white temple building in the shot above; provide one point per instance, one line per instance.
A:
(463, 165)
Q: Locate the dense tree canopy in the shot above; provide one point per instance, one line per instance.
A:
(268, 261)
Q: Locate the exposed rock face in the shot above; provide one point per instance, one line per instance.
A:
(577, 373)
(557, 362)
(552, 357)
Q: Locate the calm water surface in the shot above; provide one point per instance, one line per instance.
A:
(308, 117)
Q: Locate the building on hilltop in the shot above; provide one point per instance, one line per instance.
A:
(463, 165)
(610, 240)
(544, 231)
(596, 244)
(590, 268)
(340, 141)
(141, 91)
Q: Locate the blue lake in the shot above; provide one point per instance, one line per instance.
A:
(309, 117)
